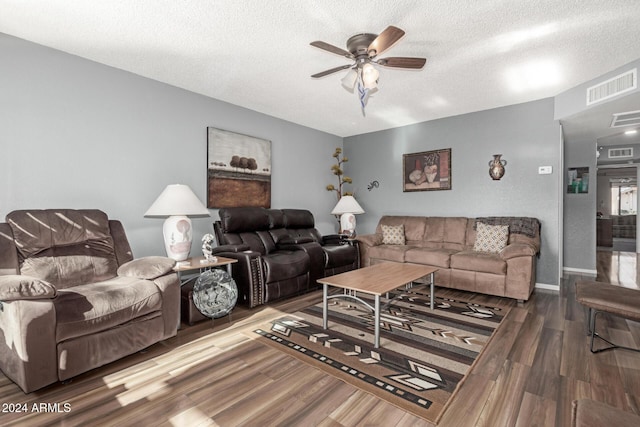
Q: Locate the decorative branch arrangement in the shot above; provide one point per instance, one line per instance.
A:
(342, 178)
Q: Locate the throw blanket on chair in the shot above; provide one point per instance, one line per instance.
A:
(521, 225)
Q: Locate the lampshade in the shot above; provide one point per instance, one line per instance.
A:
(347, 204)
(177, 202)
(177, 199)
(347, 207)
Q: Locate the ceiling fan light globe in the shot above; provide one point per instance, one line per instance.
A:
(349, 80)
(371, 85)
(370, 76)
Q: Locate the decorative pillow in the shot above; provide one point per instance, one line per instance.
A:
(16, 287)
(491, 238)
(393, 235)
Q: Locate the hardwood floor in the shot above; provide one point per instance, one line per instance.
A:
(214, 375)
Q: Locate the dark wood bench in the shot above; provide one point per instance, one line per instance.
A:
(601, 297)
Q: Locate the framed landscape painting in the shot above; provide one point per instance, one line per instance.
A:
(238, 170)
(427, 170)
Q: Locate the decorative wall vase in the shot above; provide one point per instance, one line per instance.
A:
(496, 167)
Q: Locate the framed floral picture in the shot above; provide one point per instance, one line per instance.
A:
(426, 171)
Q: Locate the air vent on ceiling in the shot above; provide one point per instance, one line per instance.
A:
(615, 86)
(620, 153)
(630, 118)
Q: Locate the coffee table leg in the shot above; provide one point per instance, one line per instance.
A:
(432, 280)
(325, 305)
(376, 318)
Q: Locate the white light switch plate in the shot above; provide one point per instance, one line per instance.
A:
(545, 170)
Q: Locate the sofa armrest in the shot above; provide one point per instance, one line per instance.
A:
(230, 248)
(15, 287)
(148, 268)
(247, 273)
(515, 250)
(291, 240)
(333, 239)
(370, 239)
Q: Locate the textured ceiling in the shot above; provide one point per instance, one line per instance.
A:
(256, 53)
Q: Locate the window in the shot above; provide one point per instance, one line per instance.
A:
(624, 199)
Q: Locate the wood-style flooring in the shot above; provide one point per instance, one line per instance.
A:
(214, 375)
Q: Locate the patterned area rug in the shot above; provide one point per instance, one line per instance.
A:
(423, 357)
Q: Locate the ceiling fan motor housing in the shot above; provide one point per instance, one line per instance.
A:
(358, 45)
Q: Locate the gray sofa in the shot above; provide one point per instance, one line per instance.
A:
(72, 297)
(448, 244)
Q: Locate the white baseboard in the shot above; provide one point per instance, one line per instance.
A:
(582, 271)
(547, 287)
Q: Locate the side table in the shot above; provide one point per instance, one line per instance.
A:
(188, 271)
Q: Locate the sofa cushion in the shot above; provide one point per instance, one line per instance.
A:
(283, 265)
(393, 235)
(244, 219)
(389, 252)
(455, 233)
(491, 238)
(430, 256)
(17, 287)
(65, 247)
(87, 309)
(434, 232)
(484, 262)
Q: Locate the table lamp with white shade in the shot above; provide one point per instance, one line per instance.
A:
(347, 207)
(177, 202)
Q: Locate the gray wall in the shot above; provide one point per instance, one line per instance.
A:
(526, 134)
(573, 100)
(580, 210)
(78, 134)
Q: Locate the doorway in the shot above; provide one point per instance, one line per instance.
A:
(617, 195)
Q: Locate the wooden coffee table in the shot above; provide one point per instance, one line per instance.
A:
(375, 280)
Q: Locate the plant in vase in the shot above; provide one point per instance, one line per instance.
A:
(336, 169)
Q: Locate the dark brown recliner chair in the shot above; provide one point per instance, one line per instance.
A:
(72, 298)
(266, 270)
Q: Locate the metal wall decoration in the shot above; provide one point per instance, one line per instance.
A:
(428, 170)
(238, 170)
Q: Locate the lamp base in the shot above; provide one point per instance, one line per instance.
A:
(348, 225)
(178, 236)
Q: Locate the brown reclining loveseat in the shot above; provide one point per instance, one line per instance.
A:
(279, 252)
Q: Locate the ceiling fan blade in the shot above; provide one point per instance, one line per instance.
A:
(385, 40)
(402, 62)
(331, 48)
(331, 71)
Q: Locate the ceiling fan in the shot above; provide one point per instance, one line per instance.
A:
(364, 49)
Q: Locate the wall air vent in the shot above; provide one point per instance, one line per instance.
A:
(621, 153)
(630, 118)
(615, 86)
